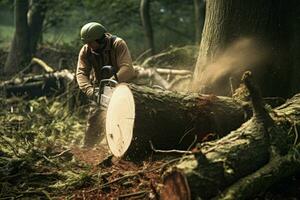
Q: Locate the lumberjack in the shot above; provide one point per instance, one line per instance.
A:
(100, 49)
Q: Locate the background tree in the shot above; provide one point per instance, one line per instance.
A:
(256, 35)
(146, 21)
(32, 19)
(36, 17)
(171, 21)
(19, 53)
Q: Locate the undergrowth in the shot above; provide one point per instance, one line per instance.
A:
(35, 157)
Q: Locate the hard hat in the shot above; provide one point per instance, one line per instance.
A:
(92, 31)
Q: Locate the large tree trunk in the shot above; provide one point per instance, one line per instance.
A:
(219, 164)
(138, 115)
(146, 21)
(19, 54)
(36, 18)
(28, 25)
(240, 35)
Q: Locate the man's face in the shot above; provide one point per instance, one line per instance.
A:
(93, 45)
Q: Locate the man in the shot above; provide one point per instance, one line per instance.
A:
(100, 49)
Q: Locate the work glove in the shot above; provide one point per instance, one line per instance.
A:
(90, 92)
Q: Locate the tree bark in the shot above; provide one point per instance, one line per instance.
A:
(261, 180)
(36, 18)
(219, 164)
(19, 54)
(138, 115)
(146, 21)
(224, 53)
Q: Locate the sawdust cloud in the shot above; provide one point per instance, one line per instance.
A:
(242, 55)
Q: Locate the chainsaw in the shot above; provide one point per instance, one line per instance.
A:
(106, 86)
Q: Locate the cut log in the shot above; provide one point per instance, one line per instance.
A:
(217, 165)
(138, 115)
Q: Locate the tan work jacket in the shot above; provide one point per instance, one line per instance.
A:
(115, 53)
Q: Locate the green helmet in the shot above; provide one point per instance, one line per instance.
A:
(92, 31)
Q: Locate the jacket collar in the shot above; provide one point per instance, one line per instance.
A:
(108, 45)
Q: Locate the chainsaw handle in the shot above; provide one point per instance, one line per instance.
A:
(108, 71)
(110, 81)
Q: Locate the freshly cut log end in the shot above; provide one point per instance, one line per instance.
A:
(175, 187)
(120, 120)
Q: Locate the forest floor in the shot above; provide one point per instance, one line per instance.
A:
(41, 158)
(41, 155)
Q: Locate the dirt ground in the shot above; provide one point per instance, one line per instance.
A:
(120, 179)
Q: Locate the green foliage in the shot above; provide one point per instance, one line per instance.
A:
(173, 22)
(40, 124)
(34, 158)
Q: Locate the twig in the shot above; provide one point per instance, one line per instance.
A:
(186, 133)
(178, 79)
(165, 164)
(46, 194)
(113, 181)
(296, 133)
(169, 151)
(134, 194)
(50, 161)
(193, 143)
(60, 154)
(142, 55)
(231, 86)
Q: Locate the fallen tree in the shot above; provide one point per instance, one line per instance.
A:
(169, 120)
(50, 82)
(165, 78)
(247, 161)
(37, 85)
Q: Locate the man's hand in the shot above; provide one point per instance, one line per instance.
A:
(90, 92)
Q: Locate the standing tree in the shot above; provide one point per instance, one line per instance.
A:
(19, 53)
(146, 21)
(29, 18)
(262, 36)
(36, 17)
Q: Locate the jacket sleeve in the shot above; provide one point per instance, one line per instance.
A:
(124, 62)
(83, 72)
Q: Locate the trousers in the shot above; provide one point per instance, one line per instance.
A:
(95, 131)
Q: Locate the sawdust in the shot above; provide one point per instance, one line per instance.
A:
(242, 55)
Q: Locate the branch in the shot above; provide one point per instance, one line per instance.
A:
(263, 178)
(134, 194)
(257, 101)
(169, 151)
